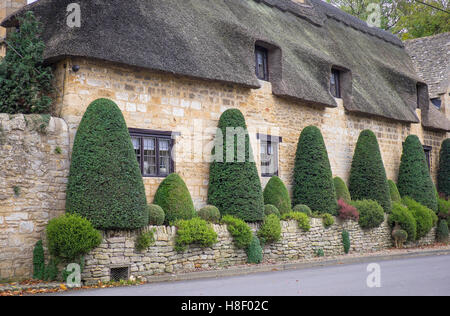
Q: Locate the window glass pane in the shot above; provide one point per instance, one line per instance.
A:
(261, 63)
(334, 84)
(149, 156)
(269, 158)
(137, 148)
(164, 156)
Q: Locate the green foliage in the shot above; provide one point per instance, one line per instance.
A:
(144, 240)
(194, 231)
(234, 183)
(275, 193)
(414, 179)
(319, 252)
(443, 208)
(24, 80)
(270, 230)
(51, 270)
(70, 236)
(327, 220)
(367, 175)
(395, 195)
(174, 198)
(210, 213)
(271, 209)
(371, 213)
(346, 241)
(302, 209)
(239, 230)
(434, 217)
(105, 183)
(38, 261)
(301, 218)
(422, 215)
(58, 150)
(442, 231)
(254, 251)
(156, 215)
(313, 181)
(443, 178)
(401, 215)
(341, 190)
(17, 190)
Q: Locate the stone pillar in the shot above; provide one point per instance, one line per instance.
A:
(8, 7)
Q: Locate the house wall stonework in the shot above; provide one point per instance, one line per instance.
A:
(157, 101)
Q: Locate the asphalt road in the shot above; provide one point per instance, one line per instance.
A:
(422, 276)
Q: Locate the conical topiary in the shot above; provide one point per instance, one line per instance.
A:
(341, 190)
(367, 175)
(313, 180)
(395, 195)
(443, 178)
(414, 179)
(275, 193)
(174, 198)
(105, 183)
(234, 184)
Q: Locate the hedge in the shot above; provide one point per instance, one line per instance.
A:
(422, 215)
(194, 231)
(270, 230)
(371, 213)
(443, 178)
(302, 209)
(254, 251)
(105, 183)
(313, 181)
(341, 190)
(395, 195)
(271, 209)
(210, 213)
(275, 193)
(401, 215)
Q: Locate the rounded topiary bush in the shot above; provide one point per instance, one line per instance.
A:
(174, 198)
(275, 193)
(210, 213)
(270, 230)
(371, 213)
(239, 230)
(156, 215)
(401, 215)
(395, 195)
(254, 251)
(442, 231)
(414, 179)
(367, 174)
(313, 181)
(443, 178)
(341, 190)
(327, 220)
(302, 209)
(71, 236)
(271, 209)
(194, 231)
(234, 183)
(105, 183)
(422, 215)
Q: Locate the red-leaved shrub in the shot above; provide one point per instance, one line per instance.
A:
(347, 211)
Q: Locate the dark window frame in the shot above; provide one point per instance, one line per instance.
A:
(259, 50)
(437, 102)
(336, 76)
(428, 150)
(142, 134)
(269, 140)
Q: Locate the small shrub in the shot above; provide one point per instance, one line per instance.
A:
(346, 241)
(58, 150)
(51, 270)
(434, 217)
(194, 231)
(371, 214)
(302, 209)
(347, 211)
(393, 191)
(341, 190)
(70, 236)
(254, 251)
(271, 209)
(442, 231)
(156, 215)
(327, 220)
(270, 230)
(301, 218)
(401, 215)
(144, 240)
(38, 261)
(319, 252)
(210, 213)
(275, 193)
(239, 230)
(443, 208)
(17, 190)
(400, 236)
(424, 221)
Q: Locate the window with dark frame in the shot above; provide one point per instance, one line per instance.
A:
(269, 155)
(335, 83)
(436, 102)
(427, 150)
(261, 59)
(153, 152)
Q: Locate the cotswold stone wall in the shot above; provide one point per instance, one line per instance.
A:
(34, 167)
(118, 249)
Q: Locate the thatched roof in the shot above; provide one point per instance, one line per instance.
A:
(215, 40)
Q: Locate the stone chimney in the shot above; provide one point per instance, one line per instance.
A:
(8, 7)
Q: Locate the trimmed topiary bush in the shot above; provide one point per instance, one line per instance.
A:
(71, 236)
(414, 178)
(300, 208)
(395, 195)
(346, 241)
(254, 251)
(401, 215)
(442, 231)
(239, 230)
(424, 220)
(347, 211)
(194, 231)
(234, 183)
(371, 213)
(313, 181)
(327, 220)
(301, 218)
(367, 175)
(174, 198)
(443, 177)
(38, 261)
(156, 215)
(341, 190)
(443, 209)
(270, 230)
(210, 213)
(271, 209)
(105, 183)
(275, 193)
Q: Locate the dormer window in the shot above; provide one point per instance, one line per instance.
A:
(335, 83)
(261, 58)
(437, 102)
